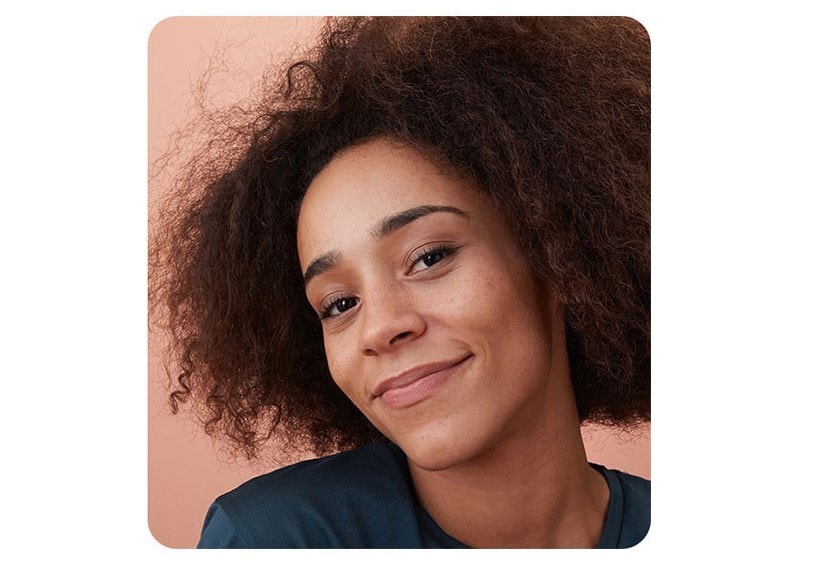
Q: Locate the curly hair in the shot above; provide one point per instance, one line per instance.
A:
(550, 117)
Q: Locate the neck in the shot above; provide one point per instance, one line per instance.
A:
(512, 496)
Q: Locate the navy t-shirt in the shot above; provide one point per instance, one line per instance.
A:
(364, 498)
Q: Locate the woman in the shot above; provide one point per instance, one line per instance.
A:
(429, 252)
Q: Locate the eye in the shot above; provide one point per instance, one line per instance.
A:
(430, 257)
(335, 306)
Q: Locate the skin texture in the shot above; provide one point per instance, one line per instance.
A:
(450, 288)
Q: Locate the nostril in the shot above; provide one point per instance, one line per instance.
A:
(400, 336)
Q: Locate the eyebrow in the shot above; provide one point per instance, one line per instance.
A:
(320, 265)
(394, 222)
(382, 229)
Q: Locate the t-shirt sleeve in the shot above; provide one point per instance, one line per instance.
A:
(636, 510)
(357, 499)
(218, 530)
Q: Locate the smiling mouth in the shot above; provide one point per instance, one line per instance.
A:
(417, 383)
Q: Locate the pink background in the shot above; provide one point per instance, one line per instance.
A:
(186, 470)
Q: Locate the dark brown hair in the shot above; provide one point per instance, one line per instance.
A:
(548, 116)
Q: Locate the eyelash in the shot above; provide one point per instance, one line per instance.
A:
(444, 250)
(326, 308)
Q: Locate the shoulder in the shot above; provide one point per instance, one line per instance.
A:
(636, 491)
(634, 502)
(628, 516)
(344, 500)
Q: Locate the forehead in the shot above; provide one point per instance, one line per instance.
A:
(367, 183)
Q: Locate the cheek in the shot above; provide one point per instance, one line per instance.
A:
(343, 366)
(492, 301)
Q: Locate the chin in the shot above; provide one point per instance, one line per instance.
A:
(434, 458)
(438, 451)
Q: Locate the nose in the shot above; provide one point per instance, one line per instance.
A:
(389, 319)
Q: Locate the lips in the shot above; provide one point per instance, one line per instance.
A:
(417, 383)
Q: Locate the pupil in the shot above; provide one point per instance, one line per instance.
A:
(432, 258)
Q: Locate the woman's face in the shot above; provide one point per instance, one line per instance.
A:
(433, 323)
